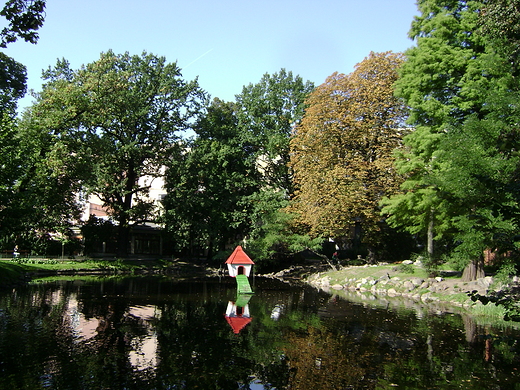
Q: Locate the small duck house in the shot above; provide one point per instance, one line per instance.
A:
(239, 263)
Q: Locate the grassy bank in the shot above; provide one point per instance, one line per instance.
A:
(409, 285)
(12, 272)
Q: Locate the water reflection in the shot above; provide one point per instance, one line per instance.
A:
(165, 334)
(237, 313)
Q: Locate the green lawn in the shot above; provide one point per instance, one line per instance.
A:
(11, 270)
(375, 272)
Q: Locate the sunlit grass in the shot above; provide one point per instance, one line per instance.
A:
(34, 264)
(11, 270)
(50, 264)
(489, 310)
(376, 272)
(78, 278)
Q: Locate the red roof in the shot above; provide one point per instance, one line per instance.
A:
(239, 257)
(238, 323)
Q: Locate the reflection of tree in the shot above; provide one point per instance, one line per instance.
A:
(109, 350)
(42, 349)
(315, 343)
(319, 360)
(459, 354)
(109, 347)
(30, 335)
(198, 352)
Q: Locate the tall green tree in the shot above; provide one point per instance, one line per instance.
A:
(461, 161)
(122, 114)
(24, 18)
(208, 187)
(341, 152)
(437, 82)
(41, 180)
(486, 179)
(267, 113)
(240, 151)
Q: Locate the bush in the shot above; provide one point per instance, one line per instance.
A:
(406, 268)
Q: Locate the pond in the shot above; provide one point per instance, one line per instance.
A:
(163, 333)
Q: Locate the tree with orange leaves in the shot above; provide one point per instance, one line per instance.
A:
(341, 152)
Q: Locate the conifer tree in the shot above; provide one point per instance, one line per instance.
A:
(431, 83)
(460, 162)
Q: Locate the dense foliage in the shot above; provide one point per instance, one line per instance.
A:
(341, 152)
(461, 161)
(25, 17)
(285, 166)
(232, 179)
(208, 185)
(119, 117)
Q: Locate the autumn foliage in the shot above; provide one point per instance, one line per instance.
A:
(341, 152)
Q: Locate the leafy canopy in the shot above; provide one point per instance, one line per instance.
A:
(341, 152)
(25, 17)
(122, 116)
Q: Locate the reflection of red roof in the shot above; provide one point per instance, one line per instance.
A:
(239, 257)
(238, 323)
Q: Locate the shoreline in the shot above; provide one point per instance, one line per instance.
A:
(389, 283)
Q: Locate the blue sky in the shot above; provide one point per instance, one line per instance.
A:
(226, 44)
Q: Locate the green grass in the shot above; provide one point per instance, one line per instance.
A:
(375, 272)
(457, 297)
(489, 310)
(88, 264)
(46, 264)
(73, 278)
(10, 272)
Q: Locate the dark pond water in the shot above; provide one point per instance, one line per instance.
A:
(159, 333)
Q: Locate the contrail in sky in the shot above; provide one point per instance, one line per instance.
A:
(198, 58)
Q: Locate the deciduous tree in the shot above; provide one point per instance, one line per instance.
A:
(341, 152)
(25, 17)
(267, 113)
(240, 151)
(123, 113)
(41, 180)
(13, 78)
(207, 204)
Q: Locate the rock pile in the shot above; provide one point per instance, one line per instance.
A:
(431, 289)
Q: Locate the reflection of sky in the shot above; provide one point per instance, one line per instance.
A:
(257, 385)
(82, 327)
(143, 353)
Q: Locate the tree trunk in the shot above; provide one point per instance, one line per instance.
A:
(430, 236)
(123, 231)
(371, 256)
(325, 258)
(474, 270)
(123, 234)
